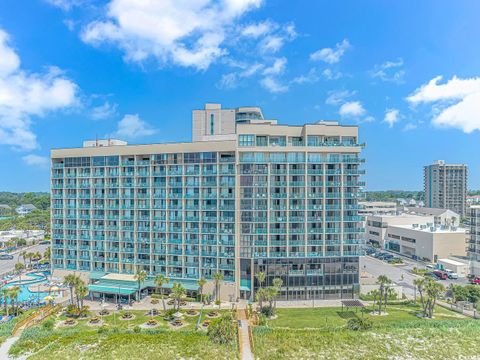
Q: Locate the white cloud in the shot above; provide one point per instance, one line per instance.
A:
(329, 55)
(66, 5)
(337, 97)
(409, 127)
(232, 80)
(272, 44)
(456, 103)
(131, 126)
(104, 111)
(257, 30)
(36, 160)
(273, 85)
(278, 67)
(329, 74)
(186, 33)
(390, 71)
(24, 95)
(391, 116)
(352, 109)
(309, 78)
(454, 89)
(464, 115)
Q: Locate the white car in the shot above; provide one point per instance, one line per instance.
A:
(451, 274)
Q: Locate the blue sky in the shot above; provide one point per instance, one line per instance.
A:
(408, 72)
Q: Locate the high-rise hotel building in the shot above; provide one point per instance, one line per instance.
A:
(247, 195)
(446, 186)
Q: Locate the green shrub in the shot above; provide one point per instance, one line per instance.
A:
(223, 330)
(262, 320)
(137, 329)
(358, 324)
(48, 324)
(103, 329)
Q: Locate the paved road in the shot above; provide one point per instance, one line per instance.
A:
(394, 272)
(9, 265)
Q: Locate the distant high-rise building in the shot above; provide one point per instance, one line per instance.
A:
(446, 186)
(247, 195)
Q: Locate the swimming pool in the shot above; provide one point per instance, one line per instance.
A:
(27, 281)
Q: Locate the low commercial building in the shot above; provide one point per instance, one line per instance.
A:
(29, 235)
(428, 243)
(377, 225)
(440, 216)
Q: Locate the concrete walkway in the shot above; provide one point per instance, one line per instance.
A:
(245, 346)
(6, 347)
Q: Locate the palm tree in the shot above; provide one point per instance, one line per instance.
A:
(47, 254)
(383, 281)
(18, 268)
(178, 292)
(277, 284)
(81, 290)
(23, 254)
(201, 283)
(71, 281)
(261, 276)
(217, 277)
(260, 295)
(5, 292)
(13, 294)
(159, 281)
(140, 276)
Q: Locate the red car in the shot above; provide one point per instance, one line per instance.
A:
(475, 281)
(442, 275)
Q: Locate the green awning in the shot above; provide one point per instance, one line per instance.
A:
(111, 289)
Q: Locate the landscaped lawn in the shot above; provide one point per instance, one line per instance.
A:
(327, 318)
(321, 334)
(120, 339)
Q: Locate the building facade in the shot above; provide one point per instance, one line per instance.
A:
(446, 186)
(273, 198)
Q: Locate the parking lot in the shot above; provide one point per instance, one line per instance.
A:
(400, 273)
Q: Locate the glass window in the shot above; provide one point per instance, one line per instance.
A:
(212, 124)
(98, 161)
(246, 140)
(262, 141)
(277, 141)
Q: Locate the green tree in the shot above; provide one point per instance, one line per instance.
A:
(433, 291)
(201, 283)
(217, 278)
(261, 276)
(81, 291)
(140, 277)
(277, 284)
(71, 280)
(178, 292)
(18, 269)
(159, 282)
(5, 294)
(13, 294)
(383, 283)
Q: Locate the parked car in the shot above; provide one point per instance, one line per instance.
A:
(429, 267)
(475, 281)
(442, 275)
(431, 275)
(451, 274)
(6, 257)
